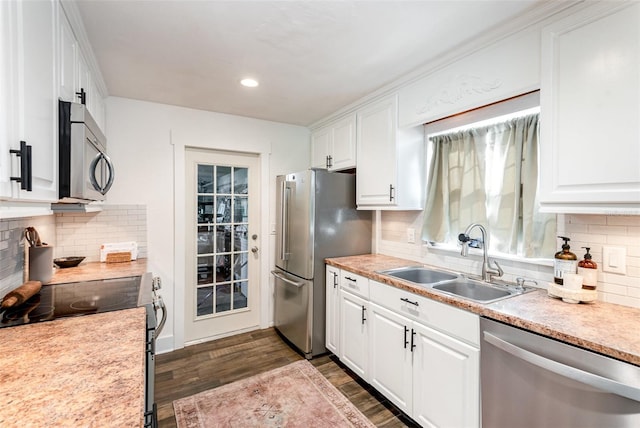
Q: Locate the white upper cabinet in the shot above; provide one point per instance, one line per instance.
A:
(333, 147)
(320, 147)
(77, 83)
(590, 111)
(39, 64)
(390, 163)
(67, 59)
(29, 106)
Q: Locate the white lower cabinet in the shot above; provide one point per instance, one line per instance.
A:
(332, 301)
(430, 376)
(391, 370)
(446, 380)
(422, 355)
(354, 333)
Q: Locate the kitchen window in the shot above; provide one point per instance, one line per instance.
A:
(487, 172)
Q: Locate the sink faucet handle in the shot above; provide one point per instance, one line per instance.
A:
(520, 282)
(498, 272)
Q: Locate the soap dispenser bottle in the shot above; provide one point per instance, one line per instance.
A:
(564, 262)
(589, 271)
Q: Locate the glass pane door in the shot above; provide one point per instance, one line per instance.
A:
(222, 239)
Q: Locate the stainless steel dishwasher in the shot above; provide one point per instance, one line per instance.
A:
(528, 380)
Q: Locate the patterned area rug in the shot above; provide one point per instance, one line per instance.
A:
(296, 395)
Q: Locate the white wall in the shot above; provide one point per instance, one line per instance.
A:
(143, 140)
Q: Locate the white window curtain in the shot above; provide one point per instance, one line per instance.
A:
(489, 175)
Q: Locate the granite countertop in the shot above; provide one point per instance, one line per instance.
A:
(80, 371)
(601, 327)
(90, 271)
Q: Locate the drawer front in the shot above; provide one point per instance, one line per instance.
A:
(355, 284)
(453, 321)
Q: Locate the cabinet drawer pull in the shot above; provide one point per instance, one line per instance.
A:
(363, 317)
(413, 345)
(404, 299)
(348, 278)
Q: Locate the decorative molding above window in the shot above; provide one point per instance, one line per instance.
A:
(460, 86)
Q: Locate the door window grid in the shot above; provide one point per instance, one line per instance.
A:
(222, 239)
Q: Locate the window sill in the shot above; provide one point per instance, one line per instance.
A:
(447, 248)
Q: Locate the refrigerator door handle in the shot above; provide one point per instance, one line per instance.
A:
(284, 218)
(287, 280)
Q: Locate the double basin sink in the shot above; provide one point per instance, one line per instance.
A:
(456, 284)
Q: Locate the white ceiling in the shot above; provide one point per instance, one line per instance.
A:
(311, 57)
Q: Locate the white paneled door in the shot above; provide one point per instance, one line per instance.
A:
(222, 254)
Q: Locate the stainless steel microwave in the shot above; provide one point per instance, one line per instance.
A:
(85, 171)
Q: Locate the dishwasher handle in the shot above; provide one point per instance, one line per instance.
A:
(591, 379)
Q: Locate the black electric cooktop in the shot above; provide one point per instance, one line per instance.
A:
(78, 298)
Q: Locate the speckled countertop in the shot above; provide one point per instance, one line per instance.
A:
(605, 328)
(80, 371)
(89, 271)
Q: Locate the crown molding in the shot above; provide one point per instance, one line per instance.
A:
(531, 20)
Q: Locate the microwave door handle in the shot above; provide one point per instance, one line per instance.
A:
(92, 172)
(111, 173)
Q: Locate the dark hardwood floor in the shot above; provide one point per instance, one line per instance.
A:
(201, 367)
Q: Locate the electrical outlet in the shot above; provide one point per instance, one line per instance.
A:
(614, 259)
(411, 235)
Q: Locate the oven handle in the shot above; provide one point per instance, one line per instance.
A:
(591, 379)
(158, 303)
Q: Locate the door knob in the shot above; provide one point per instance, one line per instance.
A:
(254, 250)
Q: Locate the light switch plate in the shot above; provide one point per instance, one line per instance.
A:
(614, 259)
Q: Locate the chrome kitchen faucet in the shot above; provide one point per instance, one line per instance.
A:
(488, 272)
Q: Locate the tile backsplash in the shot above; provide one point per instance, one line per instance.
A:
(593, 231)
(71, 234)
(81, 234)
(12, 247)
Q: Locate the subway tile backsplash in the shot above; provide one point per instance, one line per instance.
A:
(71, 234)
(592, 231)
(81, 234)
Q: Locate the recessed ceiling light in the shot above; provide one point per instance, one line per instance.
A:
(249, 83)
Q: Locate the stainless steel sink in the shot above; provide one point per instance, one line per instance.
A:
(474, 290)
(457, 284)
(420, 275)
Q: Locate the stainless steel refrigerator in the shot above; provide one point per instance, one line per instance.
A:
(316, 218)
